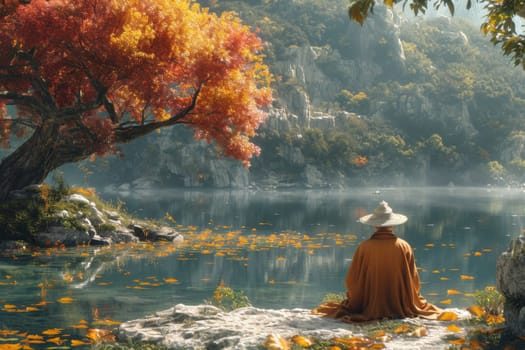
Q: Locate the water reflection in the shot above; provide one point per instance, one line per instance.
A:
(283, 249)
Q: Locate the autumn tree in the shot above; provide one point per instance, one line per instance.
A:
(78, 78)
(9, 6)
(500, 19)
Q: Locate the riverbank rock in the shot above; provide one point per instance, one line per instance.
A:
(207, 327)
(510, 279)
(76, 221)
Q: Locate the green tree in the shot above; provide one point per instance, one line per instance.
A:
(500, 20)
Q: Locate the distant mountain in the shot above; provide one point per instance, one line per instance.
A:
(400, 100)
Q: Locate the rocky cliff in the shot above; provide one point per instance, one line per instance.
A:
(309, 78)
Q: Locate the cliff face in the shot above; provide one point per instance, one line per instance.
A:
(368, 58)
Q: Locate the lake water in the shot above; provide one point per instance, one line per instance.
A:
(282, 249)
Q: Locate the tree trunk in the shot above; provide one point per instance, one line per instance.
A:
(30, 163)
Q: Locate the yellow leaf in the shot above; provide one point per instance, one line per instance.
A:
(276, 342)
(97, 335)
(9, 306)
(79, 326)
(402, 329)
(302, 341)
(34, 337)
(447, 316)
(458, 341)
(466, 277)
(55, 340)
(389, 3)
(107, 322)
(476, 310)
(66, 300)
(494, 319)
(454, 328)
(52, 331)
(171, 280)
(453, 292)
(75, 342)
(6, 332)
(381, 333)
(446, 302)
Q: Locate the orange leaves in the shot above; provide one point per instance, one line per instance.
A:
(98, 335)
(466, 277)
(302, 341)
(276, 342)
(171, 280)
(476, 310)
(453, 292)
(454, 328)
(66, 300)
(447, 316)
(52, 331)
(149, 60)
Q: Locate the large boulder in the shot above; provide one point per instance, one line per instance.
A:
(510, 279)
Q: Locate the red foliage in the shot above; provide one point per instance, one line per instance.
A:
(99, 69)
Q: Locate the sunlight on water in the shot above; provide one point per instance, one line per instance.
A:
(283, 249)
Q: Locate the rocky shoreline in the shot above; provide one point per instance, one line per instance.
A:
(208, 327)
(77, 220)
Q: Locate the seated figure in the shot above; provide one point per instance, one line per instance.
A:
(382, 281)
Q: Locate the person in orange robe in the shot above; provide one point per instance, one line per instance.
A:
(382, 281)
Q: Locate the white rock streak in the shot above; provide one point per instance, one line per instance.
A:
(207, 327)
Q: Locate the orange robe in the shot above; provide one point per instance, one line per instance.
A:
(382, 282)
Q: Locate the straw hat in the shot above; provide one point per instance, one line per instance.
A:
(383, 216)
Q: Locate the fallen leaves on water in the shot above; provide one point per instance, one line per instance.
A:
(171, 280)
(466, 277)
(453, 292)
(66, 300)
(52, 331)
(76, 342)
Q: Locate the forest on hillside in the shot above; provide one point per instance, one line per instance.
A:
(448, 111)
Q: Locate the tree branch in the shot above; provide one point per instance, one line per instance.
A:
(124, 133)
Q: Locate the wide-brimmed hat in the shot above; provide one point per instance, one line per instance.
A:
(383, 216)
